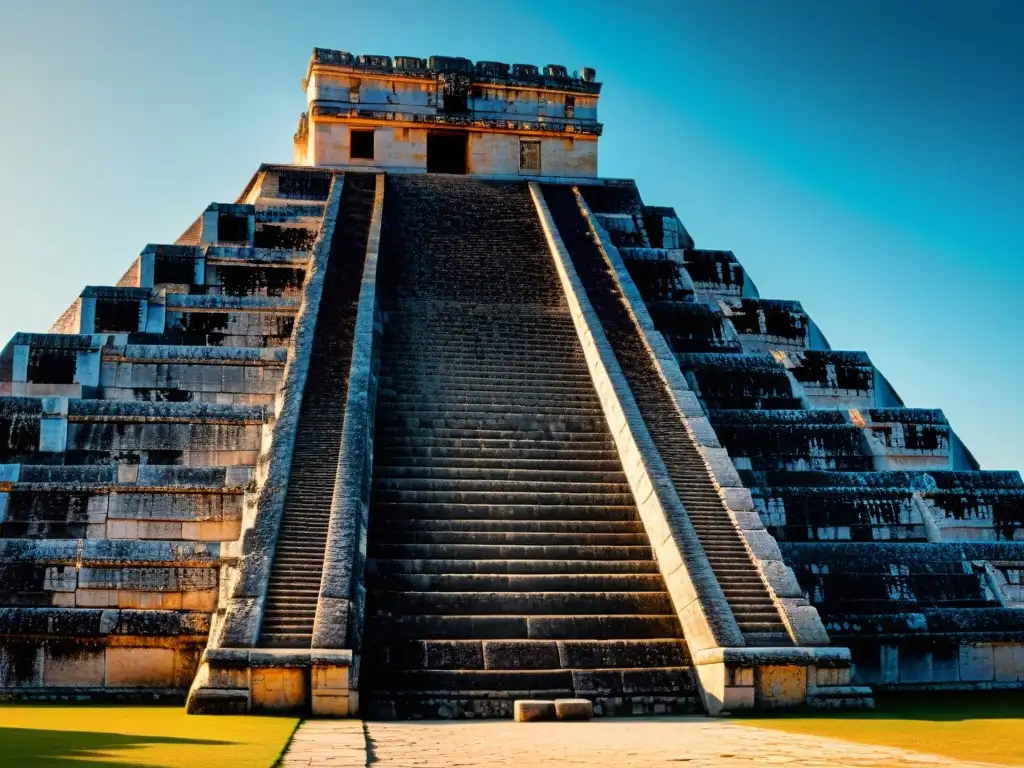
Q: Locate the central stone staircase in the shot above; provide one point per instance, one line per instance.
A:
(505, 555)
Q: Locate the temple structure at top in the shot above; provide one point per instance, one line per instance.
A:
(448, 115)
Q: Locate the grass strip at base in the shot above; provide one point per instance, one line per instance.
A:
(981, 728)
(90, 736)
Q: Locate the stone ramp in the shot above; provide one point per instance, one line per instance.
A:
(744, 589)
(505, 556)
(295, 577)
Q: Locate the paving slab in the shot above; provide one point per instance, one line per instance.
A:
(602, 743)
(334, 743)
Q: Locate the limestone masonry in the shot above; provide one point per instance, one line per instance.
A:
(436, 419)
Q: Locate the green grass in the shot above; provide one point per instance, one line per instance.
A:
(86, 736)
(985, 728)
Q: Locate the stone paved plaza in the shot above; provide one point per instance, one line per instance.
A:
(611, 743)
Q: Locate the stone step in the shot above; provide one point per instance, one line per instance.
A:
(378, 565)
(292, 614)
(567, 582)
(512, 538)
(768, 639)
(388, 511)
(541, 474)
(524, 334)
(299, 578)
(629, 681)
(396, 525)
(299, 548)
(484, 359)
(415, 705)
(499, 497)
(294, 595)
(449, 400)
(492, 427)
(482, 367)
(440, 384)
(285, 639)
(510, 627)
(528, 654)
(454, 339)
(563, 432)
(612, 485)
(772, 627)
(741, 592)
(751, 602)
(477, 464)
(427, 412)
(526, 603)
(494, 451)
(506, 552)
(469, 338)
(742, 571)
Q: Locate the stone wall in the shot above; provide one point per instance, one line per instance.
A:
(129, 437)
(495, 105)
(404, 149)
(906, 549)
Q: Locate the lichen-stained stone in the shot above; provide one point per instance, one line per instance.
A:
(1008, 660)
(131, 667)
(530, 710)
(782, 686)
(977, 662)
(279, 690)
(73, 666)
(574, 709)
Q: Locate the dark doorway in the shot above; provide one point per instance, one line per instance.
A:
(447, 152)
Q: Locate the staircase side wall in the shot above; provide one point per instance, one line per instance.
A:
(243, 611)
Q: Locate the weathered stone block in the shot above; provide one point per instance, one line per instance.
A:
(511, 654)
(130, 667)
(915, 665)
(279, 690)
(574, 709)
(782, 686)
(977, 662)
(1008, 659)
(530, 710)
(331, 704)
(946, 663)
(83, 668)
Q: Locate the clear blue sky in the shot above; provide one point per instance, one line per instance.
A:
(866, 158)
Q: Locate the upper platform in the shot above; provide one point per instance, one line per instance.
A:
(448, 115)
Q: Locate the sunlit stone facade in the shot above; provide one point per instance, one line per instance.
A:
(406, 114)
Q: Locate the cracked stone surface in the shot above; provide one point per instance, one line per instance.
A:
(339, 743)
(610, 743)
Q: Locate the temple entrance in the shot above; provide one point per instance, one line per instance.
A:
(447, 152)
